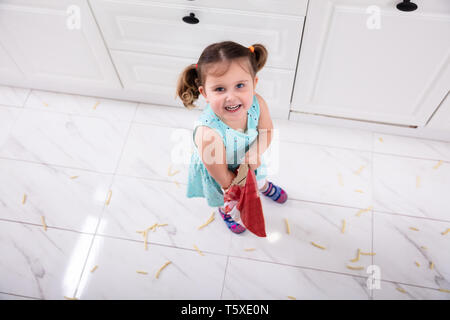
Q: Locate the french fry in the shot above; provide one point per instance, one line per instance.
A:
(170, 173)
(288, 230)
(354, 268)
(424, 248)
(357, 256)
(357, 172)
(43, 223)
(94, 268)
(417, 181)
(95, 105)
(292, 298)
(109, 197)
(73, 177)
(250, 249)
(141, 272)
(359, 190)
(431, 265)
(444, 290)
(368, 253)
(198, 250)
(160, 269)
(68, 298)
(414, 229)
(341, 182)
(364, 210)
(381, 139)
(445, 232)
(318, 246)
(438, 164)
(417, 264)
(207, 222)
(343, 226)
(24, 198)
(401, 290)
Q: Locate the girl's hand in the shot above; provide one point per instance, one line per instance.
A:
(253, 161)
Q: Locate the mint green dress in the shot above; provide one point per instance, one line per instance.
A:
(200, 183)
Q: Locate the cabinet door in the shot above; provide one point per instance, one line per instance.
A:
(8, 68)
(366, 59)
(441, 118)
(44, 39)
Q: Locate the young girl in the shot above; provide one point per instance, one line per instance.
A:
(234, 128)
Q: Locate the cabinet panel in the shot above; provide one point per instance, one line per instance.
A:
(8, 68)
(44, 39)
(157, 76)
(396, 72)
(151, 28)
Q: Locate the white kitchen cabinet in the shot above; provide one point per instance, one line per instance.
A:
(150, 43)
(349, 68)
(42, 38)
(441, 118)
(8, 68)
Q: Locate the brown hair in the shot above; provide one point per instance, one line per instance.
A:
(194, 75)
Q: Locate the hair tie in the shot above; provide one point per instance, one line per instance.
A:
(252, 49)
(196, 66)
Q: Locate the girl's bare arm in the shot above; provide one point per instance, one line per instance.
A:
(213, 154)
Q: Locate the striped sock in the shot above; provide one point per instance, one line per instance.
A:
(275, 193)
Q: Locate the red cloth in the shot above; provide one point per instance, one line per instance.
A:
(249, 204)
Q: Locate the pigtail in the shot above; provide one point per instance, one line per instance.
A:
(187, 87)
(260, 53)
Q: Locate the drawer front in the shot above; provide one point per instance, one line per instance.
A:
(285, 7)
(156, 76)
(150, 28)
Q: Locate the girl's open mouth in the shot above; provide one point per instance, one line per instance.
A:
(233, 108)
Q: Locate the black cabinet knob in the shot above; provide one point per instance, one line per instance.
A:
(191, 19)
(406, 5)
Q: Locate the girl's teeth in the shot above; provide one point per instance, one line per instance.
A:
(232, 107)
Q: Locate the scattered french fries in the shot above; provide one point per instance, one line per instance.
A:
(141, 272)
(292, 298)
(444, 290)
(358, 254)
(94, 268)
(431, 265)
(170, 173)
(24, 198)
(250, 249)
(96, 105)
(401, 290)
(414, 229)
(445, 232)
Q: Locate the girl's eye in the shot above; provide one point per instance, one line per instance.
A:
(220, 89)
(240, 85)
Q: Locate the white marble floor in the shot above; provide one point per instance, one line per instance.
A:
(99, 170)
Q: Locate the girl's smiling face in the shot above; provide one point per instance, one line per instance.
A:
(229, 94)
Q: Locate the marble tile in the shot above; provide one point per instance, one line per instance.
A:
(411, 186)
(66, 140)
(13, 96)
(82, 105)
(255, 280)
(41, 264)
(137, 204)
(398, 291)
(322, 174)
(167, 116)
(298, 132)
(153, 151)
(189, 276)
(308, 222)
(398, 248)
(411, 147)
(50, 192)
(8, 117)
(5, 296)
